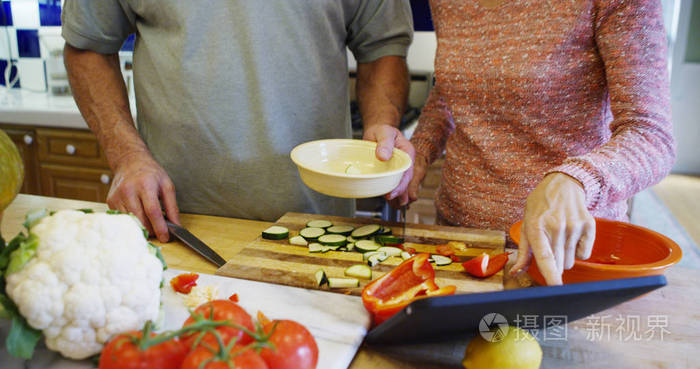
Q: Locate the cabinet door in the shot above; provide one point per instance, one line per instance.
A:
(79, 183)
(25, 140)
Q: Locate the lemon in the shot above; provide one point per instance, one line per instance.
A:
(517, 349)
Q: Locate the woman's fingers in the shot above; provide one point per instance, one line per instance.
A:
(524, 255)
(544, 255)
(585, 243)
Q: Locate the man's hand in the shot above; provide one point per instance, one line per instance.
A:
(140, 185)
(387, 137)
(557, 227)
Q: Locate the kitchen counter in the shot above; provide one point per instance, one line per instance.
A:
(659, 330)
(41, 109)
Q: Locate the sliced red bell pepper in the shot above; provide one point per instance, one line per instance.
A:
(446, 250)
(411, 280)
(184, 282)
(484, 265)
(233, 298)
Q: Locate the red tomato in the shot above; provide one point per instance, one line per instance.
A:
(121, 353)
(222, 310)
(247, 359)
(295, 347)
(184, 282)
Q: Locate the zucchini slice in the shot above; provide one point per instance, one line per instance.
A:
(405, 255)
(320, 277)
(366, 231)
(366, 255)
(388, 240)
(350, 246)
(298, 240)
(359, 271)
(441, 260)
(332, 240)
(384, 231)
(275, 233)
(390, 251)
(316, 247)
(376, 259)
(367, 245)
(352, 240)
(343, 282)
(312, 233)
(340, 229)
(319, 224)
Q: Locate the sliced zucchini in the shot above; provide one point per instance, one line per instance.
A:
(312, 233)
(275, 233)
(441, 260)
(367, 245)
(384, 231)
(376, 259)
(388, 240)
(359, 271)
(343, 282)
(340, 229)
(298, 240)
(319, 224)
(366, 231)
(405, 255)
(332, 240)
(321, 278)
(350, 246)
(390, 251)
(367, 255)
(352, 240)
(342, 248)
(316, 247)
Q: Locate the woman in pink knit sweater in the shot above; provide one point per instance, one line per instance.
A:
(555, 111)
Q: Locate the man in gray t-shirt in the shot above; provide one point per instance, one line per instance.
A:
(224, 91)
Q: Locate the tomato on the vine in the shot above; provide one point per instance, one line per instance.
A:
(122, 353)
(239, 358)
(294, 346)
(221, 310)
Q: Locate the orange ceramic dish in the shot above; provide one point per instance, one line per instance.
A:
(621, 250)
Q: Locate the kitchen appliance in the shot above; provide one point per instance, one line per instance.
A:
(51, 43)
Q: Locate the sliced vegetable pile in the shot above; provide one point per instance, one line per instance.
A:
(218, 334)
(377, 244)
(78, 278)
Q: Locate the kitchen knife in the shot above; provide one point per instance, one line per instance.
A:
(195, 243)
(403, 220)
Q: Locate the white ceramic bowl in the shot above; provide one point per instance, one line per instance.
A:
(348, 168)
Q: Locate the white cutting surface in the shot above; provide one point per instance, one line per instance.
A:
(337, 322)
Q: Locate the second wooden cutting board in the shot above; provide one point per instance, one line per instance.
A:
(281, 263)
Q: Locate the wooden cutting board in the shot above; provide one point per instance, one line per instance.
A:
(276, 261)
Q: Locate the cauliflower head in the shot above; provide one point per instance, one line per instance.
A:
(85, 277)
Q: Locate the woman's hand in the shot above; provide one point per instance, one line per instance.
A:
(557, 227)
(387, 137)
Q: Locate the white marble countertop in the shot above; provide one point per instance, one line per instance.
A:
(23, 107)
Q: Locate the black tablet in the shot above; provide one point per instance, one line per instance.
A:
(441, 318)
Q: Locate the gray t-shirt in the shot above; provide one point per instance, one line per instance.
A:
(225, 89)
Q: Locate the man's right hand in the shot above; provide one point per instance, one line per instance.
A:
(140, 185)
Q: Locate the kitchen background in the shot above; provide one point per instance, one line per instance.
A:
(36, 109)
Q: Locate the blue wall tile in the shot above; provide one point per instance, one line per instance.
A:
(129, 43)
(13, 73)
(8, 14)
(422, 21)
(50, 12)
(28, 43)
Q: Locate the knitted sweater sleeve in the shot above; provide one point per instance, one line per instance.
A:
(434, 127)
(631, 41)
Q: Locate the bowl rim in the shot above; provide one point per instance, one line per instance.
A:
(674, 256)
(402, 155)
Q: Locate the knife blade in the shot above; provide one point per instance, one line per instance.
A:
(195, 243)
(403, 221)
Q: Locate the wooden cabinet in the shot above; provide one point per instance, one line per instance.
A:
(66, 163)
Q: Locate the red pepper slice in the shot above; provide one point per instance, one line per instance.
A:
(184, 282)
(446, 250)
(411, 280)
(410, 250)
(233, 298)
(485, 266)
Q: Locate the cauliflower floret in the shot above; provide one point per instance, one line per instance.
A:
(93, 276)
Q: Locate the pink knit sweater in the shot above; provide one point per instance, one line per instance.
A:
(534, 87)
